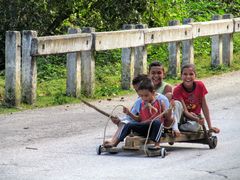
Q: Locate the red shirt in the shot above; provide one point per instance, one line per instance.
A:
(147, 114)
(193, 100)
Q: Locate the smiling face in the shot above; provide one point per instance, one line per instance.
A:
(188, 77)
(156, 74)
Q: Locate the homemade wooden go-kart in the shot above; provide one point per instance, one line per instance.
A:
(137, 143)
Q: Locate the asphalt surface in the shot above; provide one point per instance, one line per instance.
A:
(60, 143)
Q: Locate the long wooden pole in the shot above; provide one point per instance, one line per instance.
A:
(97, 109)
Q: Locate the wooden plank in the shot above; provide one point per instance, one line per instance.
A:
(236, 24)
(168, 34)
(184, 137)
(136, 142)
(209, 28)
(118, 39)
(61, 44)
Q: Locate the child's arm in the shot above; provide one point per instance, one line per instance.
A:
(190, 115)
(133, 116)
(168, 112)
(207, 116)
(171, 118)
(206, 112)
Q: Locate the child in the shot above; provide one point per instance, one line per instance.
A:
(135, 83)
(150, 110)
(191, 93)
(157, 74)
(134, 110)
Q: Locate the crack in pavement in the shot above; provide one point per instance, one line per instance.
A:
(216, 172)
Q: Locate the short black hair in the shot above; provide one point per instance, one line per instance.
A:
(189, 65)
(155, 63)
(146, 84)
(139, 78)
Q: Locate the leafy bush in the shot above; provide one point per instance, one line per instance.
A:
(55, 17)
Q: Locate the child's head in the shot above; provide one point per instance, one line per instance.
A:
(156, 73)
(146, 90)
(137, 80)
(191, 66)
(188, 75)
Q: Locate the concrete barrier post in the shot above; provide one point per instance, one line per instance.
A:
(216, 53)
(88, 68)
(12, 68)
(127, 62)
(174, 54)
(227, 46)
(74, 70)
(187, 47)
(29, 69)
(140, 64)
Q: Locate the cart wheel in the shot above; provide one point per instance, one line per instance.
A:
(171, 143)
(147, 153)
(99, 149)
(213, 142)
(163, 152)
(111, 152)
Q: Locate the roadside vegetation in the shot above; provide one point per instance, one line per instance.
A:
(107, 16)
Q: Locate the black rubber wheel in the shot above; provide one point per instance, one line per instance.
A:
(99, 149)
(147, 152)
(112, 152)
(213, 142)
(171, 143)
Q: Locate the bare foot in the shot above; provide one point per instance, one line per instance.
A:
(107, 141)
(110, 144)
(155, 147)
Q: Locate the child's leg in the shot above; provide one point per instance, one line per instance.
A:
(123, 132)
(178, 111)
(156, 133)
(116, 135)
(140, 128)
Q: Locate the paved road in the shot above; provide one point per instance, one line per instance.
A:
(60, 142)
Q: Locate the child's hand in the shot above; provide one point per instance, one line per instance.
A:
(201, 121)
(192, 113)
(126, 111)
(176, 133)
(215, 130)
(152, 109)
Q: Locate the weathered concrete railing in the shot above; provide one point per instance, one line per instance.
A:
(81, 45)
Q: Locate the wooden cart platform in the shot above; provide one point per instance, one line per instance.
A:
(137, 143)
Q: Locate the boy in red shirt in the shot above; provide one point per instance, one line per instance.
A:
(191, 93)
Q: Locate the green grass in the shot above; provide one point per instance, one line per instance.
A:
(51, 86)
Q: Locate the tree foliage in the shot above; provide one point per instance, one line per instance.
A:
(54, 16)
(44, 16)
